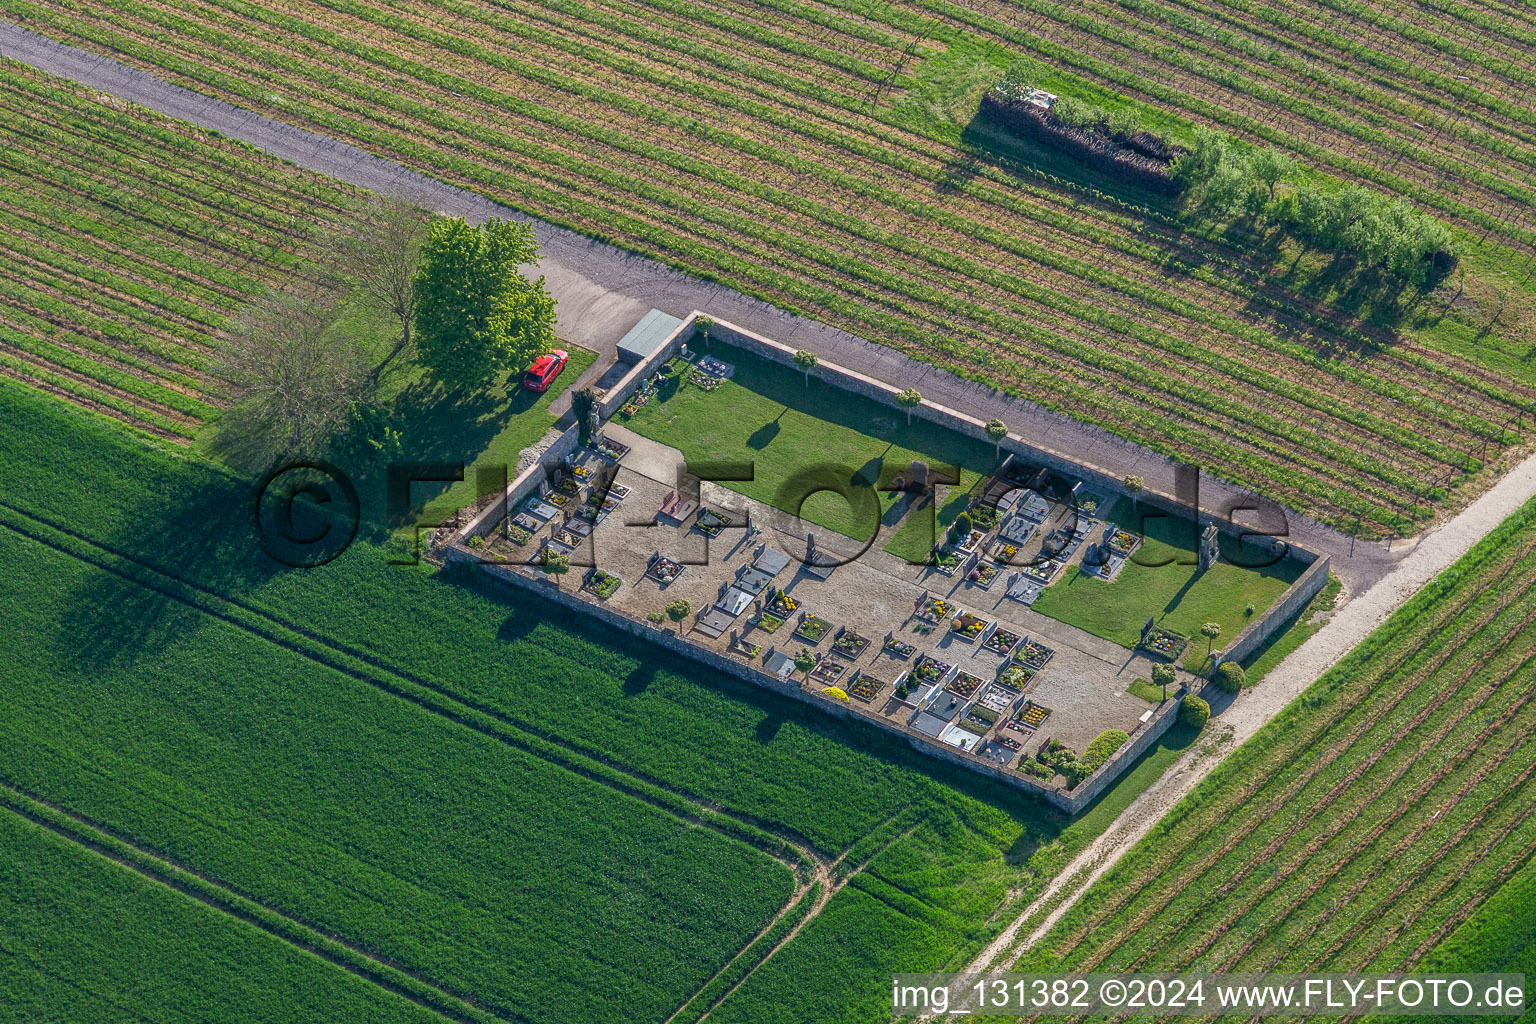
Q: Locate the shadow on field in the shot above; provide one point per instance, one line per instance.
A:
(201, 536)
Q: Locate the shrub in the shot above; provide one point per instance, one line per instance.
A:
(1230, 676)
(1195, 712)
(835, 693)
(1103, 745)
(805, 660)
(1248, 610)
(1076, 769)
(961, 530)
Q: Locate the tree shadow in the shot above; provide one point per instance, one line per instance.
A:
(162, 557)
(763, 436)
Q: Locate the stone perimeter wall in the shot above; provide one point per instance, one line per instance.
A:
(1254, 634)
(1292, 601)
(1073, 801)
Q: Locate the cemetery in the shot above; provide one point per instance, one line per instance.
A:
(1011, 643)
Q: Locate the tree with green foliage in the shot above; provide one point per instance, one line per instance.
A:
(1163, 675)
(806, 360)
(476, 316)
(960, 531)
(1133, 484)
(554, 564)
(909, 399)
(679, 610)
(1194, 711)
(1272, 166)
(997, 430)
(1210, 630)
(1230, 676)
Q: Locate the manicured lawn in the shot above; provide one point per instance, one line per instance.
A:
(1311, 619)
(1146, 691)
(1163, 580)
(803, 438)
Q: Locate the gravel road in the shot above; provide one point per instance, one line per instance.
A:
(1434, 553)
(602, 290)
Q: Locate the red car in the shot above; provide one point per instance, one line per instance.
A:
(545, 369)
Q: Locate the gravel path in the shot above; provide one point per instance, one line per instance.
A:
(603, 290)
(1434, 553)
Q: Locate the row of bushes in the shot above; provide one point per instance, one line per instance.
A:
(1224, 181)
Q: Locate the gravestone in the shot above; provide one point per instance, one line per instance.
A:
(1209, 547)
(919, 474)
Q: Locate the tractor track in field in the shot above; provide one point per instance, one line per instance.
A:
(809, 866)
(795, 853)
(95, 838)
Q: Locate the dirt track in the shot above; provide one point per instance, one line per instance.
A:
(1434, 552)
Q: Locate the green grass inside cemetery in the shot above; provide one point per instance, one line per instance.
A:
(793, 430)
(768, 415)
(1163, 580)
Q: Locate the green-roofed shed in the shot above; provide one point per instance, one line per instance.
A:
(647, 336)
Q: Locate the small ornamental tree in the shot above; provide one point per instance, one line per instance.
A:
(1210, 630)
(1195, 712)
(960, 532)
(1133, 484)
(703, 325)
(997, 430)
(805, 660)
(583, 401)
(806, 360)
(1230, 676)
(679, 610)
(556, 565)
(1163, 675)
(909, 399)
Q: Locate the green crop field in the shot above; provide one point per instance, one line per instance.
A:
(81, 933)
(392, 761)
(126, 240)
(827, 158)
(1383, 820)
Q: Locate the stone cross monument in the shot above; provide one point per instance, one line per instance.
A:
(1209, 549)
